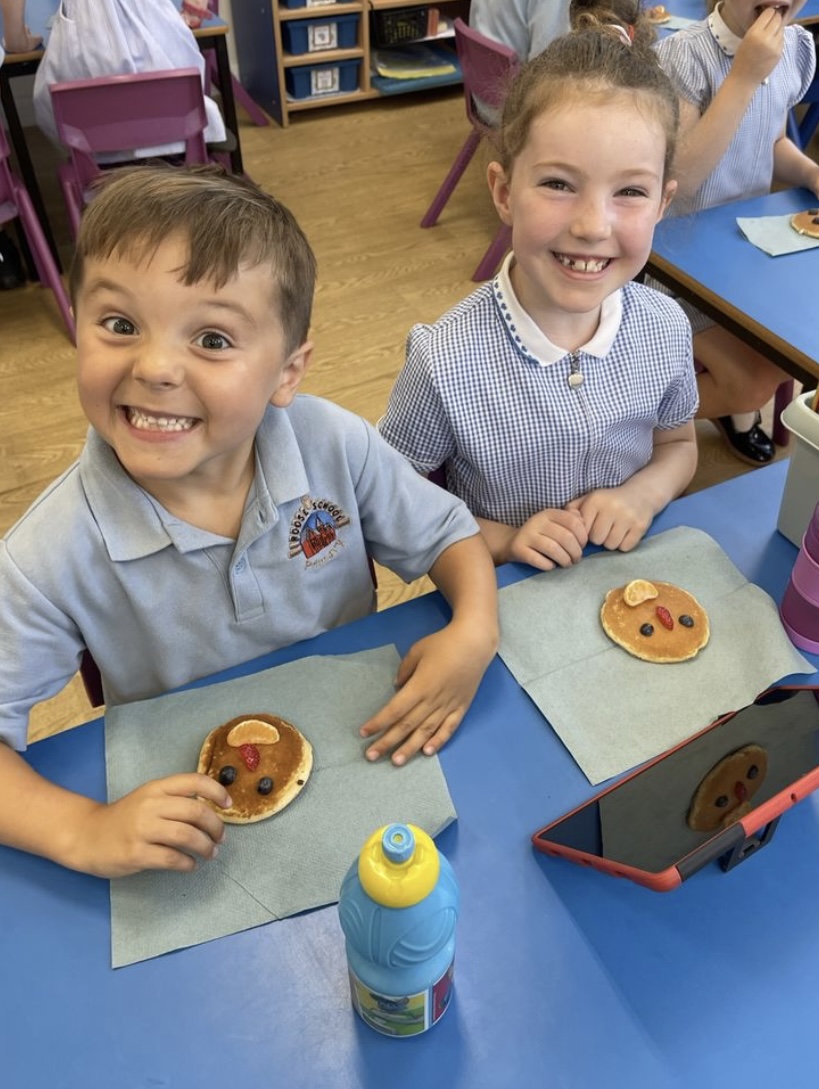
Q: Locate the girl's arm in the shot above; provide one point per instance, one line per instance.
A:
(618, 518)
(793, 168)
(705, 138)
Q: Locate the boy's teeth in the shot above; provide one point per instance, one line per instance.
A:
(581, 264)
(144, 422)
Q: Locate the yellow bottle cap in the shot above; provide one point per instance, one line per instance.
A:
(398, 865)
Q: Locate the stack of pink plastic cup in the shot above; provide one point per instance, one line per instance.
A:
(800, 605)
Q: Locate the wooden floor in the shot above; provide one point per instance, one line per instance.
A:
(359, 179)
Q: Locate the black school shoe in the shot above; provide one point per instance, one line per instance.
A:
(753, 447)
(11, 267)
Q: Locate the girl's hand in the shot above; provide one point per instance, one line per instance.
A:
(551, 538)
(616, 518)
(760, 50)
(437, 681)
(163, 825)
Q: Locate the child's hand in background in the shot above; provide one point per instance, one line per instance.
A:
(760, 50)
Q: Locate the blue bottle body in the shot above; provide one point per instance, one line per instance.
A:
(400, 958)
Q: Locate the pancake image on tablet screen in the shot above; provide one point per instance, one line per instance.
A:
(262, 761)
(655, 621)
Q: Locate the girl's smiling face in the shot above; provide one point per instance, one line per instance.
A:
(740, 15)
(582, 200)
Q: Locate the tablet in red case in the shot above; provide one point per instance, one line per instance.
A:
(716, 796)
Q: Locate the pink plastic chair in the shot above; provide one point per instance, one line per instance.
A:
(487, 67)
(120, 113)
(15, 203)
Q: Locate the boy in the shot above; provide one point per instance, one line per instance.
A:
(213, 515)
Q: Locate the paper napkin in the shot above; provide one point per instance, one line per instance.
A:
(297, 858)
(612, 711)
(774, 235)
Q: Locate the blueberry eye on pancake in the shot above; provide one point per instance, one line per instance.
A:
(655, 621)
(263, 761)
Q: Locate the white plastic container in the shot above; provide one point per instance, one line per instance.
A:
(801, 492)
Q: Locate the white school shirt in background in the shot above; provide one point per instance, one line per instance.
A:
(527, 26)
(698, 58)
(484, 392)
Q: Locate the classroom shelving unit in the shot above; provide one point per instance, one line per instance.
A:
(318, 56)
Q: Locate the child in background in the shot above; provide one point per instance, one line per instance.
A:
(213, 515)
(738, 73)
(560, 396)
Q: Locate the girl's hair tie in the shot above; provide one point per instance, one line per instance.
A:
(626, 34)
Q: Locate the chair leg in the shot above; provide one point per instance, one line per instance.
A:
(494, 255)
(43, 258)
(782, 398)
(462, 161)
(251, 108)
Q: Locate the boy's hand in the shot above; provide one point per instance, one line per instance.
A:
(760, 50)
(159, 826)
(616, 518)
(437, 680)
(551, 538)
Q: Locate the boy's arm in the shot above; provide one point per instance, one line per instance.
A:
(618, 518)
(440, 674)
(162, 825)
(705, 138)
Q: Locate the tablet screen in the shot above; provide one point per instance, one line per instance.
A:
(656, 817)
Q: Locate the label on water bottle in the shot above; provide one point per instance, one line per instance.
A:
(402, 1015)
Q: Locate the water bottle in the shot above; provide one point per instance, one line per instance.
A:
(398, 908)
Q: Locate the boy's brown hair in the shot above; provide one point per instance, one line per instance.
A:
(227, 221)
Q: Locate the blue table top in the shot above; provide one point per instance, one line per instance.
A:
(563, 976)
(773, 297)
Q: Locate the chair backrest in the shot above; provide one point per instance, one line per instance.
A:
(486, 66)
(123, 113)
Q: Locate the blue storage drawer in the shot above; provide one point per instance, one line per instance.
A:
(315, 80)
(315, 35)
(303, 4)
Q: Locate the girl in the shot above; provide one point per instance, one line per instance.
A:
(738, 74)
(560, 396)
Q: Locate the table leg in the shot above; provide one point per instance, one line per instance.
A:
(18, 140)
(219, 44)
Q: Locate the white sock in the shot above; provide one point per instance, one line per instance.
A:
(743, 421)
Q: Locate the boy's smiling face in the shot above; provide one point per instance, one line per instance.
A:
(177, 378)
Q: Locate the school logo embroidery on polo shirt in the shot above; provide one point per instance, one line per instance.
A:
(314, 531)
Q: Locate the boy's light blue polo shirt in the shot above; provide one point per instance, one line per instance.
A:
(97, 562)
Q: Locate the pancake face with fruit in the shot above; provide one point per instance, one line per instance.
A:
(658, 14)
(806, 223)
(262, 761)
(724, 796)
(655, 621)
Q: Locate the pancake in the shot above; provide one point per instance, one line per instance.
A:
(806, 223)
(262, 761)
(658, 14)
(655, 621)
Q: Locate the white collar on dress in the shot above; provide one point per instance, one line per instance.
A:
(722, 34)
(534, 341)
